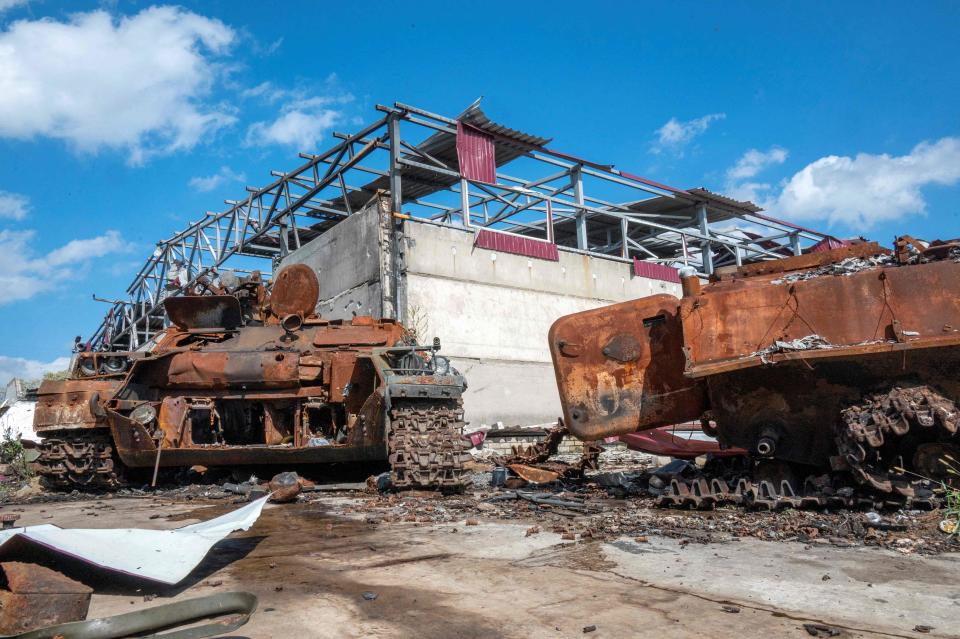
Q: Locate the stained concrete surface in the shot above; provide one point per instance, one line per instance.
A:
(310, 563)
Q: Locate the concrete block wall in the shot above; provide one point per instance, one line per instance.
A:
(347, 262)
(491, 310)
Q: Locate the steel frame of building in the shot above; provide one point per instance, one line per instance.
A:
(562, 190)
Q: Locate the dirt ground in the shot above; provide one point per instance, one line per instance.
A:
(438, 571)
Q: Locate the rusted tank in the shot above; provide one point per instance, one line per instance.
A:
(844, 361)
(251, 376)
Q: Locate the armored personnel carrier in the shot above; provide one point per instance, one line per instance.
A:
(252, 376)
(839, 371)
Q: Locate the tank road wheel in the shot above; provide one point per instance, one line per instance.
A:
(82, 460)
(426, 446)
(899, 429)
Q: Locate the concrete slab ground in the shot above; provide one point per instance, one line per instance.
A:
(310, 563)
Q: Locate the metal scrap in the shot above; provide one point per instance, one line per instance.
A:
(37, 596)
(807, 343)
(848, 266)
(229, 611)
(534, 475)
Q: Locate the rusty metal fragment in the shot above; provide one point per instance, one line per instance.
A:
(533, 474)
(35, 596)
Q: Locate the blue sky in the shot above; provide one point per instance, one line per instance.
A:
(122, 121)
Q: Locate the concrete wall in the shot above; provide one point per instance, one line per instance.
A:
(347, 261)
(492, 312)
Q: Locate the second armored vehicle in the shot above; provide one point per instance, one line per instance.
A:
(827, 367)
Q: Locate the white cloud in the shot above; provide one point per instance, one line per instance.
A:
(754, 161)
(866, 189)
(28, 369)
(857, 192)
(6, 5)
(211, 182)
(137, 83)
(23, 274)
(13, 206)
(675, 134)
(749, 165)
(302, 122)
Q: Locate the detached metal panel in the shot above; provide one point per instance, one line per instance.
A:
(655, 271)
(476, 154)
(517, 245)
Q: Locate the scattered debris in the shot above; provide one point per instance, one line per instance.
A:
(731, 609)
(821, 630)
(848, 266)
(807, 343)
(535, 475)
(284, 487)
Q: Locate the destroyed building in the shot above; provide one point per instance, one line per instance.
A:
(466, 229)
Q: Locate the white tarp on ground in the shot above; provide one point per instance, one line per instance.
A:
(166, 556)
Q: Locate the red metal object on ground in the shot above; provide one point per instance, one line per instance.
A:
(667, 441)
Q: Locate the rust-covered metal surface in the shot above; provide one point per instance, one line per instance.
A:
(772, 353)
(247, 376)
(34, 596)
(622, 366)
(72, 403)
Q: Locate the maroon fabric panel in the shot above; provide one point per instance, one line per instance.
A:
(655, 271)
(476, 154)
(506, 243)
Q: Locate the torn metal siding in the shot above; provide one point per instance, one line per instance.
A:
(476, 154)
(516, 245)
(655, 271)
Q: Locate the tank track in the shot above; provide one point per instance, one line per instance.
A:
(878, 438)
(705, 493)
(876, 443)
(82, 460)
(426, 448)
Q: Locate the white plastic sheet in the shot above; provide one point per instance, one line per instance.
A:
(166, 556)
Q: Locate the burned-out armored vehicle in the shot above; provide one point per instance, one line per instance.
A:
(251, 376)
(838, 370)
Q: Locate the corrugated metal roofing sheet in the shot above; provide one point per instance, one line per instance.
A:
(476, 154)
(416, 183)
(655, 271)
(507, 243)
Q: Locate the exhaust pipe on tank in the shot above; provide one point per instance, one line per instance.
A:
(292, 322)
